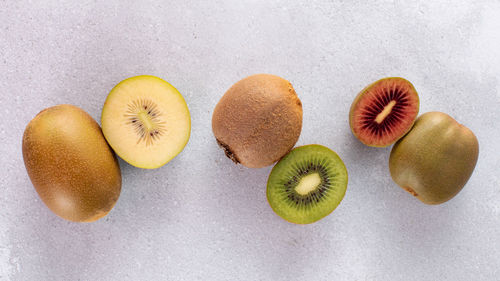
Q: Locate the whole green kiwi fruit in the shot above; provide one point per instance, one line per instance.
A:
(72, 168)
(435, 159)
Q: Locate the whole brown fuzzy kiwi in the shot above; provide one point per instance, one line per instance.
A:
(258, 120)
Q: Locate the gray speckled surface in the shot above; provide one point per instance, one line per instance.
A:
(202, 218)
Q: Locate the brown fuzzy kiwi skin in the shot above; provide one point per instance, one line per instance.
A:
(435, 159)
(258, 120)
(360, 95)
(71, 166)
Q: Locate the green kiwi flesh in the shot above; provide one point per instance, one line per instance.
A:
(307, 184)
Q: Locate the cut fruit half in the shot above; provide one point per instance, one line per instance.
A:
(307, 184)
(146, 121)
(384, 111)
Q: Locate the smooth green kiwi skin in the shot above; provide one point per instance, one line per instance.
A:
(282, 172)
(435, 159)
(70, 164)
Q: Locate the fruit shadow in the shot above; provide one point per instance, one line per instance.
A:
(364, 164)
(45, 243)
(150, 195)
(59, 249)
(416, 231)
(248, 225)
(360, 152)
(396, 220)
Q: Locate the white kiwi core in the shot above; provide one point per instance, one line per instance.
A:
(308, 183)
(144, 117)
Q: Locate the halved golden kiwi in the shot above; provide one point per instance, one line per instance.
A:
(146, 121)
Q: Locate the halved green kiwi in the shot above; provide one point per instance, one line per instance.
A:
(307, 184)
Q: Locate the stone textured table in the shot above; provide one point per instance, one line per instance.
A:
(200, 217)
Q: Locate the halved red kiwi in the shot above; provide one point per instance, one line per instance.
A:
(384, 111)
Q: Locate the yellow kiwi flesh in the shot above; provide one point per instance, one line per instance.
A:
(146, 121)
(258, 120)
(72, 168)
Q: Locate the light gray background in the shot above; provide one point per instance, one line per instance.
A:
(200, 217)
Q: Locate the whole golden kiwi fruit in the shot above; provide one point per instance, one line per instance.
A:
(70, 164)
(258, 120)
(435, 159)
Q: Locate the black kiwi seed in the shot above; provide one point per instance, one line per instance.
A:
(324, 181)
